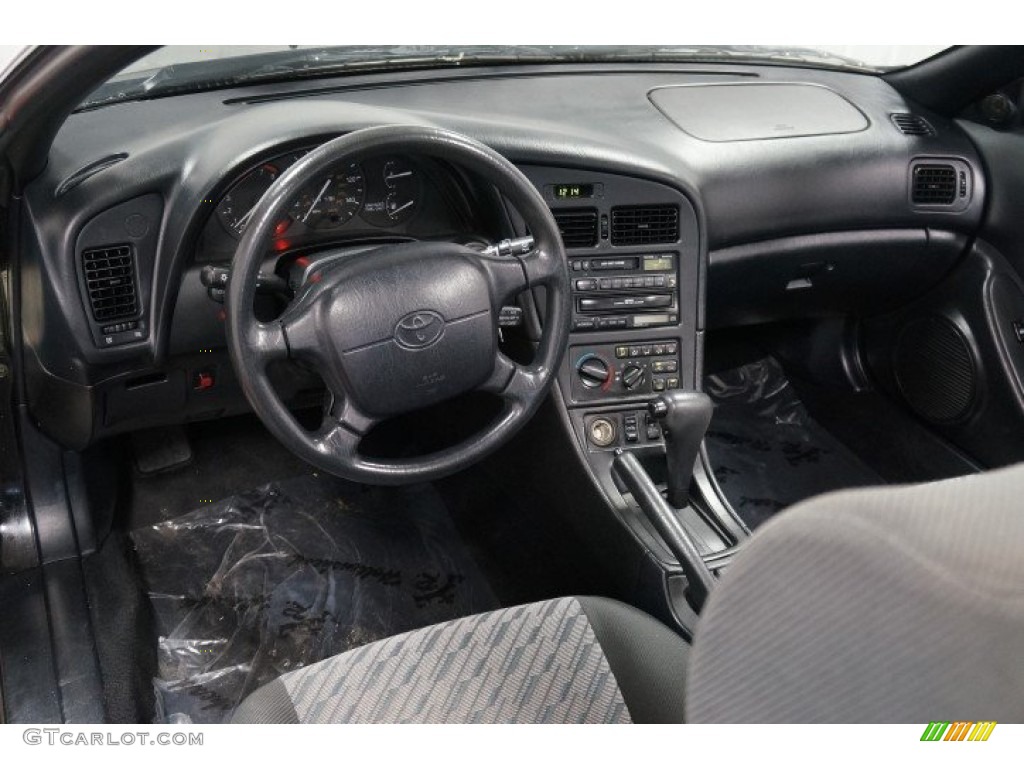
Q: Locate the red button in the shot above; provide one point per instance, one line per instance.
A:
(203, 380)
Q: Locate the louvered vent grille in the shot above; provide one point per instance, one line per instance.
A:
(934, 184)
(912, 125)
(645, 224)
(578, 227)
(110, 281)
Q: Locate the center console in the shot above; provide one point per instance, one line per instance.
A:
(637, 284)
(637, 273)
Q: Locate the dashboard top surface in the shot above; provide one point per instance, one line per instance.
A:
(588, 118)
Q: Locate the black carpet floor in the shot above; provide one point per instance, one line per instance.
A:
(123, 623)
(228, 456)
(272, 579)
(766, 450)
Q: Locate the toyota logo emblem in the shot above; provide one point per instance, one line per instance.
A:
(419, 329)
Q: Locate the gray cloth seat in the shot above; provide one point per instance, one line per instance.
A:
(887, 605)
(876, 605)
(570, 660)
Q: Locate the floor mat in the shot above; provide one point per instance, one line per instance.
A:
(266, 581)
(765, 449)
(228, 456)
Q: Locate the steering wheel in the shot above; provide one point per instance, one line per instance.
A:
(400, 327)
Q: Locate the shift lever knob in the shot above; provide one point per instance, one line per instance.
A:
(684, 418)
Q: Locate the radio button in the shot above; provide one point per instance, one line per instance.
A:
(588, 284)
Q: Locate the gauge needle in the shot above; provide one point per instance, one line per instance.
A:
(245, 219)
(401, 208)
(401, 175)
(317, 200)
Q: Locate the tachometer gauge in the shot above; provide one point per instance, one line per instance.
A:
(395, 192)
(238, 205)
(332, 200)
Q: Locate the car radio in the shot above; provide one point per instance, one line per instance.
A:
(618, 292)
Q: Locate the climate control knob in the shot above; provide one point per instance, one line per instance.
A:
(632, 376)
(593, 371)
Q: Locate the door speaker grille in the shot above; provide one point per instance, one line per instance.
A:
(935, 369)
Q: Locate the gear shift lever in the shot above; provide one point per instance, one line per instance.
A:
(684, 418)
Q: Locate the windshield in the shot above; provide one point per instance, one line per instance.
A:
(177, 69)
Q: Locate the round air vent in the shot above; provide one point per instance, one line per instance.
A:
(935, 369)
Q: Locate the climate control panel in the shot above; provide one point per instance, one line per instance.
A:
(610, 370)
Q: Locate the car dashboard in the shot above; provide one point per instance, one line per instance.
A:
(684, 203)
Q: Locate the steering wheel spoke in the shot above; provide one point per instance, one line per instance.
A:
(267, 343)
(505, 277)
(512, 382)
(343, 429)
(542, 267)
(516, 265)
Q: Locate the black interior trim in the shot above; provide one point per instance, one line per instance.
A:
(951, 81)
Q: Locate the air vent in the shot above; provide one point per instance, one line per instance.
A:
(110, 282)
(912, 125)
(645, 224)
(934, 184)
(578, 227)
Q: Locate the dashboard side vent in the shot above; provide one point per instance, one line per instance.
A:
(645, 224)
(934, 184)
(110, 281)
(912, 125)
(577, 226)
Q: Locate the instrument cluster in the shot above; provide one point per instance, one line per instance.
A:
(382, 192)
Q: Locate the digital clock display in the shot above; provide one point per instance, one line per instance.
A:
(657, 263)
(573, 191)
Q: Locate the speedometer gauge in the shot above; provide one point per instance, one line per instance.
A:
(238, 205)
(332, 200)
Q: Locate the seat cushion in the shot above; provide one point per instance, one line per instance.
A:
(570, 660)
(889, 605)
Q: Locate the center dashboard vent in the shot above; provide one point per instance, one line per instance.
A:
(912, 125)
(110, 281)
(934, 184)
(645, 224)
(577, 226)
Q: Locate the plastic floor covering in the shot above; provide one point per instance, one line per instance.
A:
(765, 449)
(250, 587)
